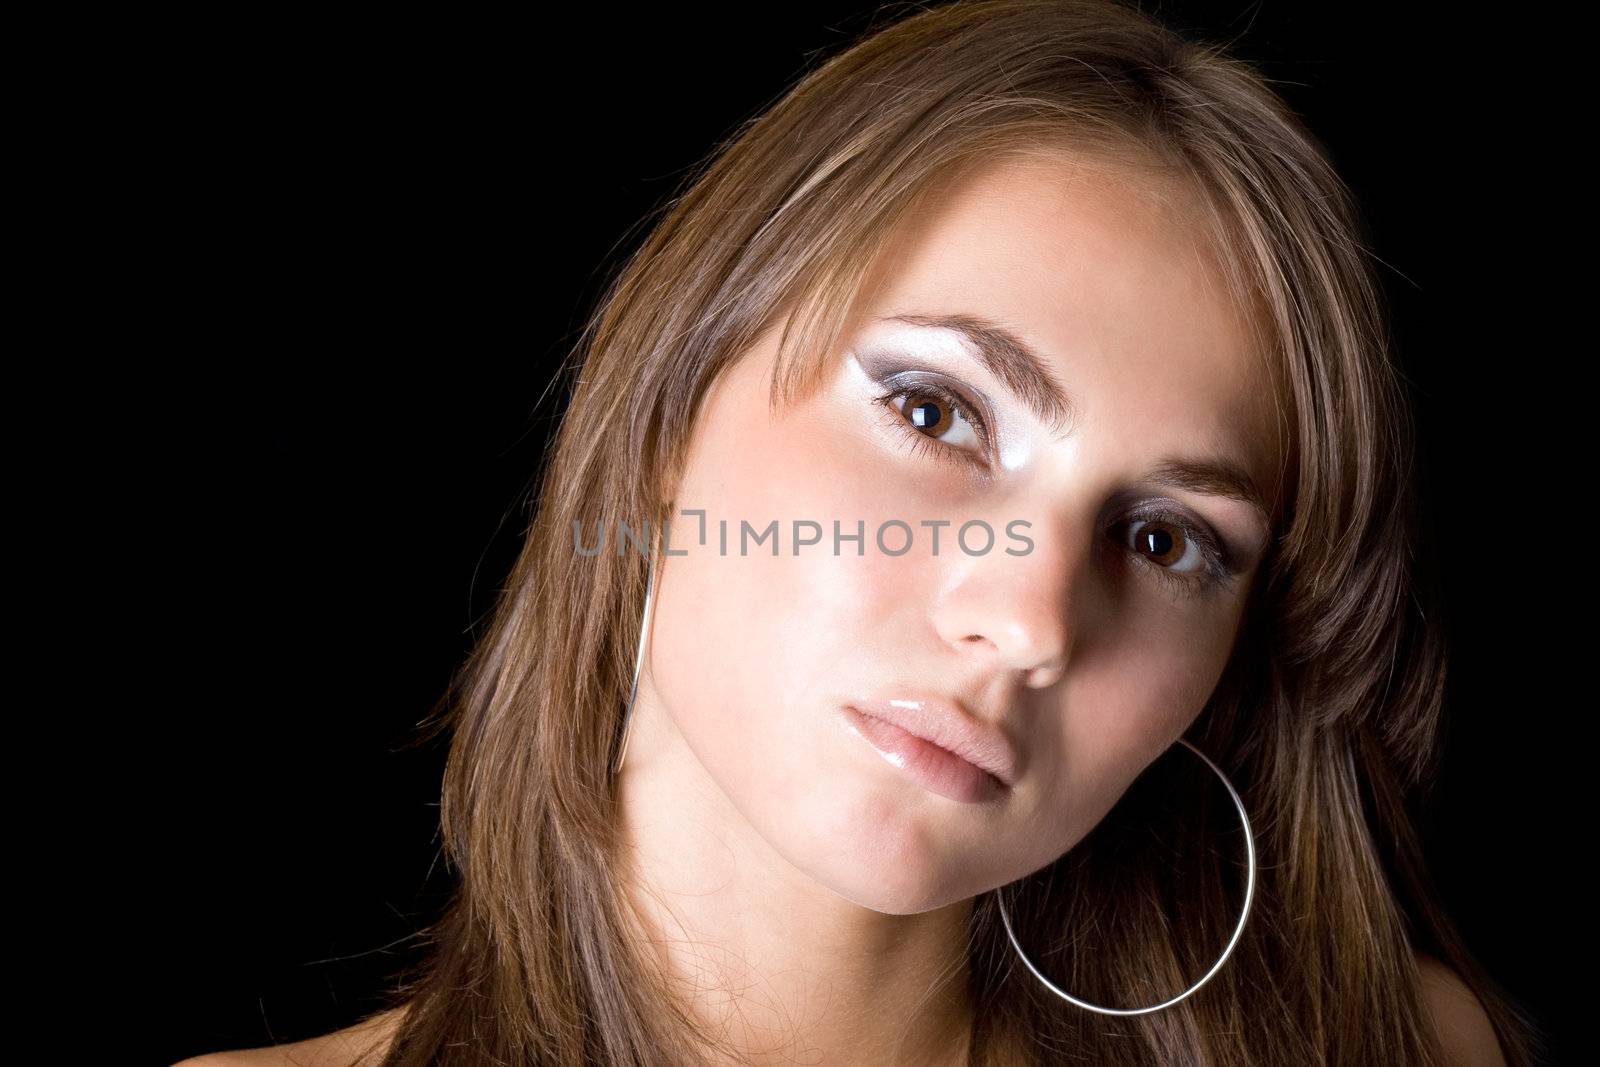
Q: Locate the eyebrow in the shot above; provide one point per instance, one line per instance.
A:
(1213, 477)
(1008, 358)
(1021, 369)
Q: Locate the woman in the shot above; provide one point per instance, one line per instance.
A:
(1001, 435)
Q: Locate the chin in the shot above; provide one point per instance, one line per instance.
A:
(883, 852)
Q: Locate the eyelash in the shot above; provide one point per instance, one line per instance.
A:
(1214, 575)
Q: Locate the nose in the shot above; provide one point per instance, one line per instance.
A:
(1012, 610)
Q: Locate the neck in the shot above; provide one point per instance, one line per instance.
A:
(764, 956)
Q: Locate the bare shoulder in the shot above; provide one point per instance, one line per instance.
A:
(1458, 1017)
(361, 1045)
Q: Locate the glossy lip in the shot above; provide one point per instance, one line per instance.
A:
(935, 741)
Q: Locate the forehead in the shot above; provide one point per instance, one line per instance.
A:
(1111, 277)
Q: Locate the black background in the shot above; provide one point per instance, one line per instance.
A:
(353, 250)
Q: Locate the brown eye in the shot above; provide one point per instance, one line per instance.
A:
(929, 413)
(933, 413)
(1166, 544)
(938, 420)
(1175, 549)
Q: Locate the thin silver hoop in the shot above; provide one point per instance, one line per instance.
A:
(1249, 897)
(1005, 917)
(638, 659)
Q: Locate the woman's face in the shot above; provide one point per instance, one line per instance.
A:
(1090, 645)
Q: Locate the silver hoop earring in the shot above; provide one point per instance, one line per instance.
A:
(638, 662)
(1249, 896)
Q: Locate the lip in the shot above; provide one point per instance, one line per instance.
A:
(937, 744)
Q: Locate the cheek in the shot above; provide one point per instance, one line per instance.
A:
(1132, 695)
(750, 651)
(753, 655)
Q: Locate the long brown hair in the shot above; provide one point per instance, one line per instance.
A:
(1327, 717)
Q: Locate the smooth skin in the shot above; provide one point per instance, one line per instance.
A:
(786, 860)
(806, 894)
